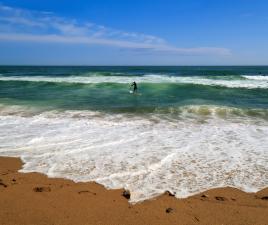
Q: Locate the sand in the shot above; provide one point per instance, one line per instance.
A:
(33, 198)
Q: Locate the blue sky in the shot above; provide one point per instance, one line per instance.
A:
(140, 32)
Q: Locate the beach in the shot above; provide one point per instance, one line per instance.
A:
(33, 198)
(189, 147)
(133, 113)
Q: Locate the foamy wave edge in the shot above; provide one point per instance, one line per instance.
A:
(178, 112)
(250, 82)
(145, 155)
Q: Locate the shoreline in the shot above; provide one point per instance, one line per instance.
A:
(33, 198)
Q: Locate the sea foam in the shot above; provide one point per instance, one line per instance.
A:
(146, 154)
(259, 77)
(250, 81)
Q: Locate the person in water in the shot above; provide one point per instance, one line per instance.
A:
(135, 87)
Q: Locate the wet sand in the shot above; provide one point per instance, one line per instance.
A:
(33, 198)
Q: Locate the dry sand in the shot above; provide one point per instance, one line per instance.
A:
(32, 198)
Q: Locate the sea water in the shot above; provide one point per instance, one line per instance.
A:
(188, 129)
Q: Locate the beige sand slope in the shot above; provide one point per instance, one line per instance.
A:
(33, 198)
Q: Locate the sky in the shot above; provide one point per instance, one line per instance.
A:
(128, 32)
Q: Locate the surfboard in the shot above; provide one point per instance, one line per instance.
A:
(135, 93)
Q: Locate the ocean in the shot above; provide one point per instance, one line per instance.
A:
(188, 129)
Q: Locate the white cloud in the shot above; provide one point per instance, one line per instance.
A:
(23, 25)
(19, 20)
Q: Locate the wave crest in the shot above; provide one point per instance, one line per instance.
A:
(250, 82)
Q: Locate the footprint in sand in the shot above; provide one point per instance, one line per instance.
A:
(264, 198)
(2, 184)
(42, 189)
(84, 192)
(220, 198)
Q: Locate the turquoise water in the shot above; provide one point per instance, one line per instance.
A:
(187, 129)
(107, 88)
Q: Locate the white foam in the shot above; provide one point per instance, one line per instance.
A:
(145, 155)
(239, 83)
(262, 78)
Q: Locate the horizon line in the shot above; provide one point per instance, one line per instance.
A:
(134, 65)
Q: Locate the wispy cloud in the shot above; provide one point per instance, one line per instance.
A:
(22, 25)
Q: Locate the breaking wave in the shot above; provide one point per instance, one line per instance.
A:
(249, 82)
(202, 147)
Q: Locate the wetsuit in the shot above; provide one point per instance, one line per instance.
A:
(135, 88)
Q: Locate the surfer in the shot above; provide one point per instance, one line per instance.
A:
(135, 87)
